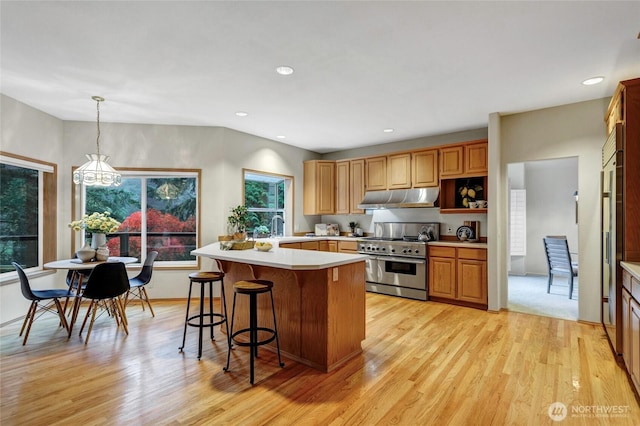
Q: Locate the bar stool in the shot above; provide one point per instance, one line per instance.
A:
(203, 278)
(253, 288)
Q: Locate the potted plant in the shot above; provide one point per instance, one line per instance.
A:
(238, 222)
(261, 231)
(353, 226)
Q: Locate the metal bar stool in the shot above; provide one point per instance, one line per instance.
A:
(253, 288)
(203, 278)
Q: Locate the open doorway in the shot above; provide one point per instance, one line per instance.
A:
(543, 199)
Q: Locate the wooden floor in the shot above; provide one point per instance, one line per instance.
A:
(423, 363)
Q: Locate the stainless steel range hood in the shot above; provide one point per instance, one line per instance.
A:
(399, 198)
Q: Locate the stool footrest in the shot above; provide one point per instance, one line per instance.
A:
(209, 316)
(259, 342)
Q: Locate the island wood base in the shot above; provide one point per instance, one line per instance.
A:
(321, 321)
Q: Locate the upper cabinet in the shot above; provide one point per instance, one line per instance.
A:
(399, 171)
(469, 159)
(375, 173)
(356, 185)
(319, 187)
(349, 186)
(424, 168)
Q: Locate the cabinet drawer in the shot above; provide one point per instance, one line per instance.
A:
(438, 251)
(472, 253)
(348, 246)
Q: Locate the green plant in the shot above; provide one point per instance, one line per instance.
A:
(262, 229)
(239, 218)
(353, 226)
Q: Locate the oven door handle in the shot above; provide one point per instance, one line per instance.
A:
(403, 259)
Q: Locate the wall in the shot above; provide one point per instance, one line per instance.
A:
(575, 130)
(31, 133)
(220, 153)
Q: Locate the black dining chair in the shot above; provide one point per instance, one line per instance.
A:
(107, 282)
(138, 282)
(53, 296)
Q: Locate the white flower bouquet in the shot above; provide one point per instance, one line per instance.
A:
(96, 223)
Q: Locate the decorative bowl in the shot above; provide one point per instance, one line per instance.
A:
(263, 246)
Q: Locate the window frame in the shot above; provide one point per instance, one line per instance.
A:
(78, 203)
(48, 212)
(289, 194)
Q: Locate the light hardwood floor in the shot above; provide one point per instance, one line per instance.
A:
(423, 363)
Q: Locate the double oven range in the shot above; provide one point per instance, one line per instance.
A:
(397, 262)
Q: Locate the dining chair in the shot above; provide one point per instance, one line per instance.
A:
(53, 297)
(107, 282)
(138, 282)
(559, 260)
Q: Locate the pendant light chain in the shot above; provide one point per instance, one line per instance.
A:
(98, 121)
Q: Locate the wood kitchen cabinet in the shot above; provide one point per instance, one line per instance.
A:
(331, 246)
(343, 192)
(468, 159)
(348, 247)
(630, 325)
(319, 187)
(309, 245)
(424, 168)
(350, 186)
(634, 343)
(376, 173)
(289, 245)
(399, 171)
(458, 275)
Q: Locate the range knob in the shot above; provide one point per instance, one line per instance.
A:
(404, 251)
(417, 251)
(393, 250)
(384, 249)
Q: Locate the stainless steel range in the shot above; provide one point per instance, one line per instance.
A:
(397, 263)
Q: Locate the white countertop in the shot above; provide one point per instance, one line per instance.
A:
(458, 244)
(282, 257)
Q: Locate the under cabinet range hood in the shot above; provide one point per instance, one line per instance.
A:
(399, 198)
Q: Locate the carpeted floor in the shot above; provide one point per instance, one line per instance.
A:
(528, 294)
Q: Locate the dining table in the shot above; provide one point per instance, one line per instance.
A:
(77, 267)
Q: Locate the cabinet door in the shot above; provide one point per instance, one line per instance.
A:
(289, 245)
(332, 246)
(319, 187)
(475, 158)
(472, 280)
(424, 168)
(442, 277)
(356, 185)
(399, 171)
(634, 319)
(626, 327)
(376, 173)
(451, 161)
(342, 187)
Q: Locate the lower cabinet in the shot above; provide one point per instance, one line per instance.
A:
(348, 247)
(322, 245)
(458, 274)
(631, 327)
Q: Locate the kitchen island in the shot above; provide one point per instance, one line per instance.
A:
(319, 299)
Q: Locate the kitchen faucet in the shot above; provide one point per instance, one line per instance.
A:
(274, 225)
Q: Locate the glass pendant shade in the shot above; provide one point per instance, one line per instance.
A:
(167, 191)
(97, 172)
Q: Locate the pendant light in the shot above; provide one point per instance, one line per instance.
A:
(168, 191)
(96, 171)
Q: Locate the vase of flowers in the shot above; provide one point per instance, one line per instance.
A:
(98, 225)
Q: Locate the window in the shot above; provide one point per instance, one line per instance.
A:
(518, 222)
(158, 210)
(268, 198)
(27, 212)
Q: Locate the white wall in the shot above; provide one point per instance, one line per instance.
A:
(575, 130)
(220, 153)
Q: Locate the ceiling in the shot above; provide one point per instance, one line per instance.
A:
(421, 68)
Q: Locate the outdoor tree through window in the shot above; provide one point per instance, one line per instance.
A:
(268, 199)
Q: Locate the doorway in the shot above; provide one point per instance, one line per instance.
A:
(543, 201)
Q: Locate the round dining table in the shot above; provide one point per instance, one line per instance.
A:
(76, 266)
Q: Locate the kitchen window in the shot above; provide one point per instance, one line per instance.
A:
(27, 213)
(268, 198)
(158, 210)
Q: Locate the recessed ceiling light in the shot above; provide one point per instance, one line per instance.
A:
(281, 137)
(593, 80)
(242, 114)
(284, 70)
(388, 130)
